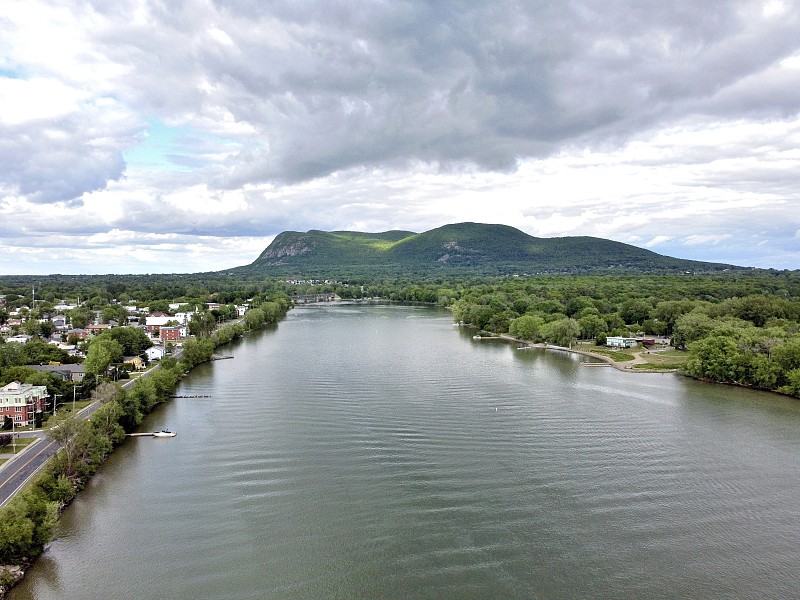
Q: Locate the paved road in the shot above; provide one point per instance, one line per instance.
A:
(16, 472)
(19, 470)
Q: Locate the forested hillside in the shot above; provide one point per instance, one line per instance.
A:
(458, 249)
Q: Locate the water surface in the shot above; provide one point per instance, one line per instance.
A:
(360, 451)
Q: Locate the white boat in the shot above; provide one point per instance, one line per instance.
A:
(165, 433)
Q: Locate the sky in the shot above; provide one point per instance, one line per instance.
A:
(180, 136)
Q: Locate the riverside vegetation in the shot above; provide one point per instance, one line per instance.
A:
(740, 327)
(27, 521)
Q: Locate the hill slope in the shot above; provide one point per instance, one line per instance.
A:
(462, 247)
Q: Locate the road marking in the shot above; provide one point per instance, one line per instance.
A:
(30, 460)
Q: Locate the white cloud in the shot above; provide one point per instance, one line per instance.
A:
(694, 240)
(22, 101)
(147, 120)
(658, 240)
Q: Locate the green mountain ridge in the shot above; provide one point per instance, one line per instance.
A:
(462, 247)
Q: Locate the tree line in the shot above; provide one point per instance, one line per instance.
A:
(741, 328)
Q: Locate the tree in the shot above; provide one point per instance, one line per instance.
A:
(65, 432)
(635, 311)
(106, 392)
(114, 312)
(196, 351)
(668, 312)
(691, 327)
(31, 327)
(592, 326)
(202, 324)
(713, 358)
(102, 352)
(133, 340)
(80, 316)
(562, 332)
(526, 327)
(46, 329)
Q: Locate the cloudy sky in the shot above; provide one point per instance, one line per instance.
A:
(152, 136)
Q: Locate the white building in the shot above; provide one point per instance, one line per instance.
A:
(155, 353)
(615, 341)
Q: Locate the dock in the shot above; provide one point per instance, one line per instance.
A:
(192, 396)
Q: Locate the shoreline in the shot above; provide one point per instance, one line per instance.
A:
(13, 574)
(624, 366)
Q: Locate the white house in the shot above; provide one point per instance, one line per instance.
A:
(183, 317)
(155, 353)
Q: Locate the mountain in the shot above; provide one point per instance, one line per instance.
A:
(463, 248)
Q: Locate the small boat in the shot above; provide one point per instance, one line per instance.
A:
(165, 433)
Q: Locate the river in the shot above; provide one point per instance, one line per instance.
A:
(368, 451)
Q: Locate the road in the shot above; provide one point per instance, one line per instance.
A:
(23, 467)
(15, 473)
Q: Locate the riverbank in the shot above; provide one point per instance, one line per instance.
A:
(28, 519)
(638, 364)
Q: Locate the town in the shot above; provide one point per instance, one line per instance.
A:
(47, 348)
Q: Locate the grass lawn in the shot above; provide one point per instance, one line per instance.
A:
(20, 442)
(674, 358)
(615, 355)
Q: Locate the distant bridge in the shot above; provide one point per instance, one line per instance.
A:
(308, 298)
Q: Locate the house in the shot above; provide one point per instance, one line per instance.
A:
(155, 353)
(154, 323)
(135, 362)
(184, 317)
(73, 373)
(615, 341)
(21, 401)
(64, 306)
(19, 339)
(171, 333)
(78, 334)
(97, 329)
